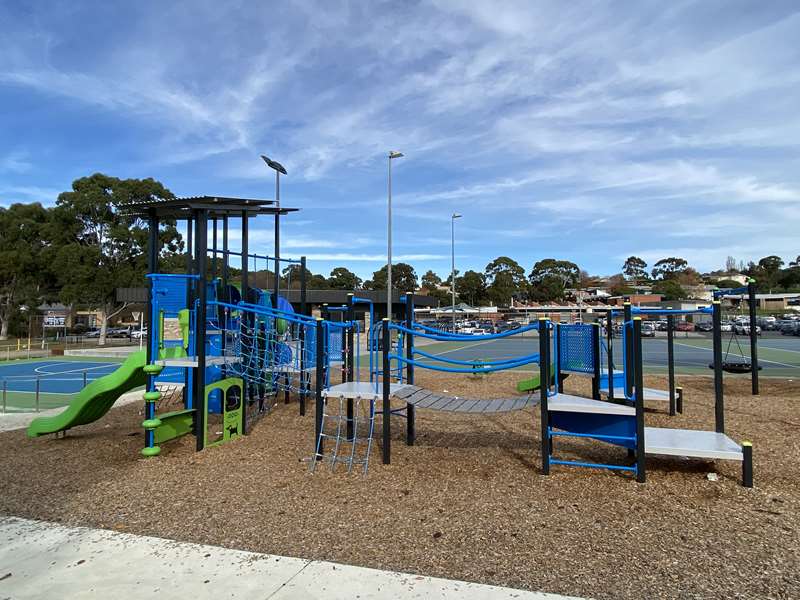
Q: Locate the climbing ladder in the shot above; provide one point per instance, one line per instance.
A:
(350, 435)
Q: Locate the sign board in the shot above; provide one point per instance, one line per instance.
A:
(53, 320)
(136, 315)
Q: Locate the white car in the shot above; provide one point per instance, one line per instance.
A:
(726, 327)
(744, 329)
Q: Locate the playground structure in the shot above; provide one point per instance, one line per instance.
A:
(217, 336)
(237, 348)
(393, 358)
(620, 424)
(229, 334)
(576, 348)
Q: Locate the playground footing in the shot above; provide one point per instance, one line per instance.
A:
(48, 560)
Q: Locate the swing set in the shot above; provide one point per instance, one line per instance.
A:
(739, 363)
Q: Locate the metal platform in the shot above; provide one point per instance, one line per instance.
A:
(649, 393)
(691, 443)
(579, 404)
(191, 361)
(361, 389)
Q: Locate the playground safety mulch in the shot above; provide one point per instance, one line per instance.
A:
(466, 502)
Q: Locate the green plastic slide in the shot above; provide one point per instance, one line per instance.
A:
(532, 384)
(96, 399)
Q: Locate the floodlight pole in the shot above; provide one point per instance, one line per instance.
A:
(453, 265)
(392, 154)
(277, 239)
(278, 168)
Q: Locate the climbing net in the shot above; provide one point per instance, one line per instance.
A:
(272, 351)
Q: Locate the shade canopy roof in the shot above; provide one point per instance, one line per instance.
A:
(215, 206)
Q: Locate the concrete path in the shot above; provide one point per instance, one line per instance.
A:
(46, 560)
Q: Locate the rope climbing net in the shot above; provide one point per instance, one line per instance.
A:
(272, 351)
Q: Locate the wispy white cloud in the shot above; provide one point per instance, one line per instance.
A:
(555, 129)
(15, 162)
(14, 193)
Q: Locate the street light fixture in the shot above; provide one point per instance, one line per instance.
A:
(392, 155)
(24, 309)
(453, 264)
(278, 168)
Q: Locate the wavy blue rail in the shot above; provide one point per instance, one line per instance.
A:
(530, 358)
(449, 337)
(475, 368)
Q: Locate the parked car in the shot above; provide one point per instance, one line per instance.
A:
(705, 326)
(767, 323)
(118, 332)
(487, 325)
(684, 326)
(661, 325)
(92, 333)
(726, 327)
(744, 329)
(648, 330)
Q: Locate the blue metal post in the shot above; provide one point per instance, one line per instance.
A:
(719, 400)
(627, 349)
(411, 432)
(641, 476)
(387, 408)
(544, 388)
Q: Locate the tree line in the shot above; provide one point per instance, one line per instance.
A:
(83, 248)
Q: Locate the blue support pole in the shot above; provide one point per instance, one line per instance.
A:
(544, 389)
(641, 475)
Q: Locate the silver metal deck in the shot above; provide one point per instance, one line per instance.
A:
(691, 443)
(579, 404)
(191, 361)
(649, 393)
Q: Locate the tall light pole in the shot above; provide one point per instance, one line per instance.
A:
(453, 264)
(392, 155)
(278, 167)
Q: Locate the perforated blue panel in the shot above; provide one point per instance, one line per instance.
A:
(575, 349)
(335, 343)
(169, 294)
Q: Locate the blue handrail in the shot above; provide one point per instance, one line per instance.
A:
(461, 338)
(531, 358)
(476, 368)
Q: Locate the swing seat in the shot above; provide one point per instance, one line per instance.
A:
(736, 367)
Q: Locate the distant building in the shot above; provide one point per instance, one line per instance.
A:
(635, 299)
(774, 302)
(732, 275)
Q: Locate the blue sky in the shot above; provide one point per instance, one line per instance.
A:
(586, 131)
